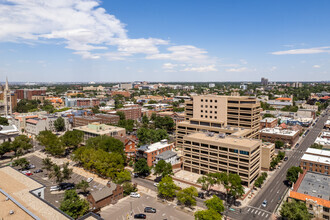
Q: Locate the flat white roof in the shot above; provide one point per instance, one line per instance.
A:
(324, 153)
(322, 141)
(285, 132)
(314, 158)
(269, 120)
(157, 146)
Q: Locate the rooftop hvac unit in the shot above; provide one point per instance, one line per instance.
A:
(221, 135)
(11, 212)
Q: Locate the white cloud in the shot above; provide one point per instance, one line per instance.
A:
(317, 66)
(169, 66)
(243, 61)
(273, 68)
(314, 50)
(210, 68)
(84, 27)
(237, 70)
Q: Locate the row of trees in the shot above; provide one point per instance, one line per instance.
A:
(260, 180)
(147, 136)
(56, 145)
(214, 209)
(19, 146)
(280, 156)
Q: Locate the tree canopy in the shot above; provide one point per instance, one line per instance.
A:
(59, 124)
(187, 196)
(72, 138)
(167, 188)
(215, 203)
(295, 210)
(106, 143)
(52, 143)
(293, 173)
(209, 214)
(4, 121)
(73, 205)
(162, 168)
(147, 136)
(141, 167)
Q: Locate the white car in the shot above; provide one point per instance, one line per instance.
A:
(156, 184)
(135, 195)
(90, 179)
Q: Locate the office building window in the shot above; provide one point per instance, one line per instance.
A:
(202, 100)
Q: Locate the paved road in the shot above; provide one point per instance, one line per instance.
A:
(276, 188)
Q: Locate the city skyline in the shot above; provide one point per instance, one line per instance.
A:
(170, 41)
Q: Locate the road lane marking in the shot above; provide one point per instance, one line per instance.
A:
(262, 214)
(271, 201)
(248, 210)
(259, 213)
(266, 215)
(271, 190)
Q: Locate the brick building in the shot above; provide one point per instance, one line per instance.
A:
(316, 160)
(81, 102)
(133, 113)
(275, 134)
(123, 93)
(106, 196)
(129, 145)
(100, 118)
(177, 117)
(268, 123)
(149, 152)
(28, 93)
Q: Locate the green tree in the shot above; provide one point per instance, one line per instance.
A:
(83, 185)
(128, 188)
(123, 176)
(145, 120)
(295, 210)
(127, 124)
(52, 143)
(147, 136)
(207, 181)
(22, 162)
(4, 121)
(317, 146)
(121, 115)
(215, 203)
(66, 171)
(21, 144)
(281, 155)
(59, 124)
(73, 205)
(106, 143)
(209, 214)
(141, 167)
(167, 188)
(293, 173)
(187, 196)
(72, 138)
(165, 123)
(162, 168)
(60, 173)
(47, 164)
(5, 147)
(279, 144)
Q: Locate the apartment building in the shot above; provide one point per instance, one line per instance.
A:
(209, 153)
(276, 134)
(149, 152)
(97, 129)
(268, 123)
(101, 118)
(313, 189)
(8, 133)
(28, 93)
(316, 160)
(133, 113)
(220, 114)
(81, 102)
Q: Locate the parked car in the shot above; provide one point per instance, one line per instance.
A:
(149, 210)
(90, 179)
(135, 195)
(264, 203)
(135, 175)
(25, 171)
(28, 174)
(66, 186)
(38, 171)
(31, 166)
(55, 188)
(201, 195)
(286, 158)
(156, 184)
(140, 216)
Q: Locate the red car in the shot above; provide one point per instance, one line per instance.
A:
(28, 174)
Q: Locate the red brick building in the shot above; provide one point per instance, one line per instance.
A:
(106, 196)
(87, 102)
(28, 93)
(123, 93)
(149, 152)
(130, 146)
(101, 118)
(268, 123)
(133, 113)
(177, 117)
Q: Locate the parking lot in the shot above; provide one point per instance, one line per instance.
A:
(56, 197)
(122, 210)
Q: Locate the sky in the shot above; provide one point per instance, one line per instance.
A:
(164, 40)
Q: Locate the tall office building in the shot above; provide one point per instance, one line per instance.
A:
(7, 99)
(232, 115)
(264, 81)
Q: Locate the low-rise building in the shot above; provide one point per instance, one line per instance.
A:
(313, 189)
(120, 92)
(176, 116)
(275, 134)
(96, 129)
(100, 118)
(23, 198)
(81, 102)
(133, 113)
(149, 152)
(268, 123)
(316, 160)
(168, 156)
(129, 145)
(35, 126)
(109, 194)
(8, 133)
(208, 153)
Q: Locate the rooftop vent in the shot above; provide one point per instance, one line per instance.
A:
(221, 135)
(11, 212)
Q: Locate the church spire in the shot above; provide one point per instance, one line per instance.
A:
(7, 86)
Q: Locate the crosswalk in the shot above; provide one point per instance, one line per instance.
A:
(258, 213)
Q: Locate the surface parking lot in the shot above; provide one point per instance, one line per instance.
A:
(56, 197)
(122, 210)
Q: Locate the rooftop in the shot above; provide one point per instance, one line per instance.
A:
(166, 155)
(324, 153)
(278, 131)
(316, 185)
(314, 158)
(26, 205)
(8, 129)
(99, 129)
(268, 120)
(104, 192)
(155, 146)
(231, 141)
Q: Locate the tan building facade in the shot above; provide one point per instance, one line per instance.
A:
(206, 153)
(315, 160)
